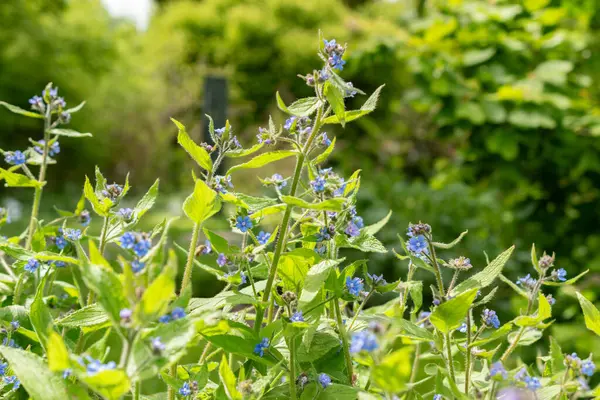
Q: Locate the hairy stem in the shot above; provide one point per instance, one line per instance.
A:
(436, 268)
(187, 274)
(91, 295)
(281, 241)
(468, 355)
(449, 355)
(360, 307)
(344, 337)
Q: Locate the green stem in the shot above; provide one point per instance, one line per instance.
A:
(404, 299)
(449, 352)
(360, 307)
(344, 337)
(436, 268)
(91, 295)
(137, 389)
(468, 355)
(187, 274)
(171, 389)
(292, 371)
(286, 217)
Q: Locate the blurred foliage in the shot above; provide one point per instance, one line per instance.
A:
(488, 121)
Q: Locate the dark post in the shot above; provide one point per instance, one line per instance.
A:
(215, 102)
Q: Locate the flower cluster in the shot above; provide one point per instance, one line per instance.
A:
(335, 52)
(177, 313)
(140, 243)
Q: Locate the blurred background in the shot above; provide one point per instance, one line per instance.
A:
(489, 120)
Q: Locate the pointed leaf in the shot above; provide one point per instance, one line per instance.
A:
(19, 110)
(485, 277)
(262, 160)
(450, 315)
(202, 204)
(335, 204)
(198, 153)
(590, 313)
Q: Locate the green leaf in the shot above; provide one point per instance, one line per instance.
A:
(202, 204)
(363, 242)
(590, 313)
(241, 346)
(13, 179)
(451, 244)
(414, 331)
(245, 152)
(40, 382)
(376, 227)
(228, 380)
(19, 110)
(40, 316)
(497, 334)
(534, 259)
(147, 202)
(58, 355)
(198, 153)
(89, 318)
(176, 335)
(450, 315)
(111, 384)
(156, 298)
(76, 108)
(335, 98)
(477, 56)
(69, 133)
(315, 278)
(300, 108)
(470, 111)
(319, 345)
(262, 160)
(393, 372)
(324, 155)
(100, 207)
(485, 277)
(513, 286)
(554, 71)
(109, 289)
(556, 356)
(544, 312)
(567, 282)
(529, 337)
(531, 119)
(335, 204)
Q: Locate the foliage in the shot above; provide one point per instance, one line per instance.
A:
(291, 321)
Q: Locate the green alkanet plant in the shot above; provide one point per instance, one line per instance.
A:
(81, 323)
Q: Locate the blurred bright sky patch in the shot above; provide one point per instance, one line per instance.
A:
(137, 10)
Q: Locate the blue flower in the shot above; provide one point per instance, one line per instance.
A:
(221, 260)
(164, 319)
(142, 247)
(318, 185)
(325, 141)
(32, 265)
(67, 373)
(321, 250)
(297, 317)
(560, 274)
(243, 278)
(94, 366)
(336, 62)
(324, 75)
(324, 380)
(125, 313)
(490, 318)
(35, 100)
(437, 397)
(12, 380)
(53, 149)
(72, 234)
(323, 234)
(288, 123)
(330, 45)
(417, 244)
(588, 367)
(157, 345)
(60, 242)
(551, 300)
(207, 247)
(185, 389)
(532, 383)
(263, 237)
(363, 340)
(14, 157)
(354, 285)
(352, 230)
(85, 218)
(112, 191)
(358, 221)
(137, 266)
(350, 92)
(498, 369)
(243, 223)
(10, 343)
(377, 280)
(178, 313)
(125, 213)
(127, 240)
(53, 92)
(236, 142)
(260, 348)
(3, 367)
(15, 325)
(278, 181)
(527, 281)
(463, 328)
